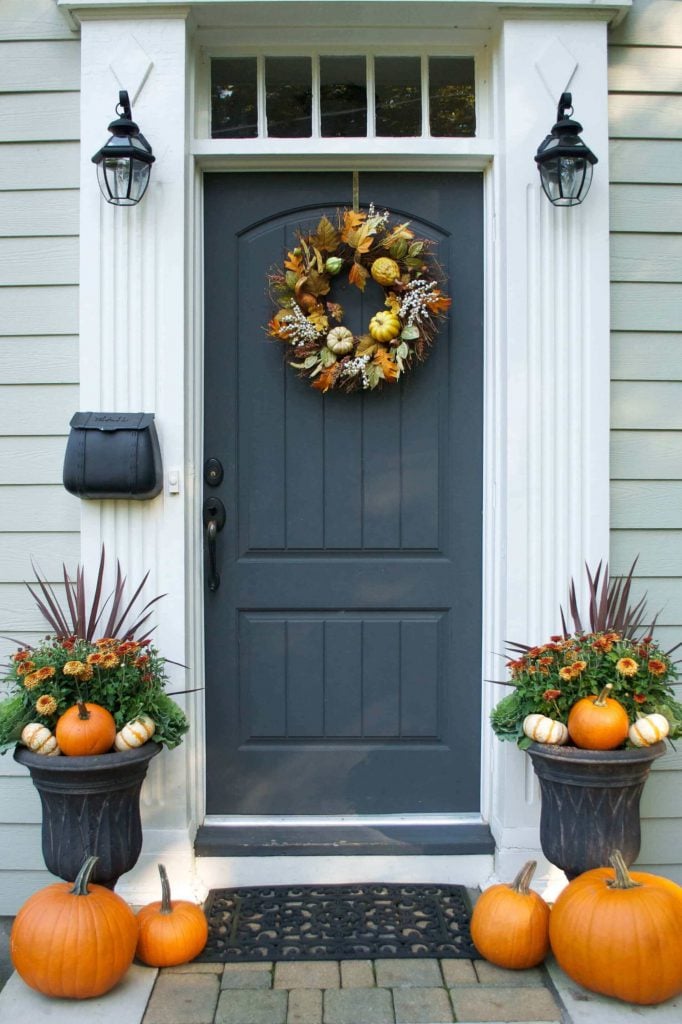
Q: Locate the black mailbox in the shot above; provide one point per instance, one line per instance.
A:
(113, 455)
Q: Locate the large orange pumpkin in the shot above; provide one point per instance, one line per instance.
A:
(598, 723)
(510, 923)
(85, 729)
(74, 940)
(170, 932)
(620, 933)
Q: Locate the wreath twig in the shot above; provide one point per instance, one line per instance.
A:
(363, 245)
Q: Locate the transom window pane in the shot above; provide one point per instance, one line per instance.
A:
(289, 97)
(343, 96)
(398, 94)
(234, 98)
(452, 106)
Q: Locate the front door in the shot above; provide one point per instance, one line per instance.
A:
(343, 644)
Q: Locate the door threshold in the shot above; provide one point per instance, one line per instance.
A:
(277, 838)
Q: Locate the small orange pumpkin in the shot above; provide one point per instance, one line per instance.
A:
(85, 729)
(620, 933)
(73, 940)
(510, 923)
(170, 932)
(598, 723)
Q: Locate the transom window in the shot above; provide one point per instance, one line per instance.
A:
(342, 97)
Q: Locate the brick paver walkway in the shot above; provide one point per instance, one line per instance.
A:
(350, 992)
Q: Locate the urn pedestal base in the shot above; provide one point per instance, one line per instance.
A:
(91, 805)
(590, 803)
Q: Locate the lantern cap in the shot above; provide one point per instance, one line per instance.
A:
(564, 139)
(126, 138)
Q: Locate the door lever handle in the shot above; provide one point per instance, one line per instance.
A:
(214, 520)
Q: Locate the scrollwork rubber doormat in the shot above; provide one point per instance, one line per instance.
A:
(337, 922)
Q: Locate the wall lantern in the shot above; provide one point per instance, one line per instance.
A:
(125, 161)
(564, 161)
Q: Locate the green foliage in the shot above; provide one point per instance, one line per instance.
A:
(126, 677)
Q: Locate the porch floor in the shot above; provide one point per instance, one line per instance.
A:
(349, 992)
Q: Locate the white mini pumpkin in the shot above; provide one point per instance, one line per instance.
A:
(648, 729)
(135, 733)
(340, 341)
(40, 740)
(545, 730)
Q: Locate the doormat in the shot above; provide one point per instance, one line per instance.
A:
(337, 922)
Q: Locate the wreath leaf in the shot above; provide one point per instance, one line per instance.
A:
(294, 263)
(358, 275)
(326, 238)
(325, 380)
(390, 369)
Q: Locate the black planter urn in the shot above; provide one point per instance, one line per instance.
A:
(590, 803)
(91, 805)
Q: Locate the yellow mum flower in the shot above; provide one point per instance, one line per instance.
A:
(627, 667)
(31, 681)
(578, 667)
(46, 705)
(45, 673)
(73, 668)
(110, 660)
(566, 672)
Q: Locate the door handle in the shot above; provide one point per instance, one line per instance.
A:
(214, 520)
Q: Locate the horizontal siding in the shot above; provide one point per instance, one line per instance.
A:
(646, 505)
(31, 460)
(41, 213)
(39, 165)
(21, 845)
(643, 162)
(20, 802)
(43, 507)
(661, 797)
(646, 455)
(646, 405)
(646, 307)
(33, 19)
(16, 887)
(39, 260)
(43, 310)
(645, 117)
(18, 611)
(645, 70)
(646, 208)
(8, 645)
(671, 871)
(664, 597)
(642, 257)
(39, 359)
(637, 355)
(37, 409)
(49, 551)
(40, 117)
(650, 23)
(661, 842)
(55, 66)
(659, 552)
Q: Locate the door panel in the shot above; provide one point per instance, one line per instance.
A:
(343, 644)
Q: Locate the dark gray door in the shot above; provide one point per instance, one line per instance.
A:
(343, 646)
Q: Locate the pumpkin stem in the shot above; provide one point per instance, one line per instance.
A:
(80, 886)
(166, 905)
(600, 702)
(622, 879)
(522, 881)
(82, 710)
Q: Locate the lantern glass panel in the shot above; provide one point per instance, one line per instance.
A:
(566, 180)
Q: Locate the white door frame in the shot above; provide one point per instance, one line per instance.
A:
(546, 371)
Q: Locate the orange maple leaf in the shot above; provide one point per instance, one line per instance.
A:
(324, 380)
(390, 369)
(358, 276)
(293, 262)
(438, 303)
(351, 223)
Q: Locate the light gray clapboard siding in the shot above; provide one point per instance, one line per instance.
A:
(661, 798)
(41, 212)
(645, 161)
(664, 596)
(39, 165)
(36, 508)
(37, 409)
(647, 208)
(18, 611)
(645, 117)
(20, 803)
(17, 886)
(31, 460)
(7, 649)
(646, 455)
(48, 551)
(50, 65)
(642, 257)
(659, 551)
(44, 310)
(646, 505)
(661, 841)
(650, 23)
(671, 871)
(40, 117)
(21, 845)
(646, 307)
(39, 260)
(40, 359)
(33, 19)
(637, 355)
(640, 69)
(646, 405)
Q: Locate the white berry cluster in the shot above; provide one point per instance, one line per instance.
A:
(414, 304)
(297, 327)
(355, 366)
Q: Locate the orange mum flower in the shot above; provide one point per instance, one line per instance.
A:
(24, 667)
(144, 658)
(106, 641)
(577, 667)
(566, 672)
(551, 694)
(110, 660)
(639, 698)
(74, 668)
(657, 667)
(94, 659)
(127, 647)
(20, 656)
(602, 644)
(31, 681)
(46, 705)
(45, 673)
(69, 643)
(627, 667)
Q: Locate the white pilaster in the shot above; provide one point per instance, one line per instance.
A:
(551, 400)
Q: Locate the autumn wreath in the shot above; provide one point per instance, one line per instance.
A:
(363, 245)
